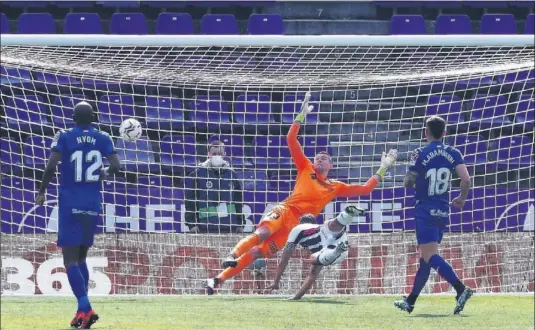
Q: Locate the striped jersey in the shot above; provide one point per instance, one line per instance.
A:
(315, 237)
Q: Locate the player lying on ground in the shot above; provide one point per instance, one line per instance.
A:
(80, 150)
(431, 170)
(328, 244)
(311, 193)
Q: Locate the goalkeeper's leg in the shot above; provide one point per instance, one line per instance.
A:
(274, 243)
(267, 227)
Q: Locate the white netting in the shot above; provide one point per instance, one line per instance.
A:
(368, 99)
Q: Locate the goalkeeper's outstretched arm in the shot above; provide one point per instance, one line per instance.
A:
(296, 150)
(351, 190)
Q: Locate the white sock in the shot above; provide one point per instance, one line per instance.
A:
(343, 217)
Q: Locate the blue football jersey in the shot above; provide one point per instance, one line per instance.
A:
(435, 163)
(82, 150)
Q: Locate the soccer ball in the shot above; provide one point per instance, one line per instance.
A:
(130, 129)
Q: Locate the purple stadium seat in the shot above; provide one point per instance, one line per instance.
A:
(154, 181)
(513, 151)
(522, 80)
(18, 183)
(234, 62)
(488, 111)
(119, 4)
(234, 147)
(446, 106)
(178, 151)
(137, 156)
(283, 63)
(10, 156)
(251, 109)
(164, 112)
(282, 183)
(271, 152)
(525, 113)
(453, 24)
(407, 24)
(265, 24)
(15, 77)
(472, 147)
(54, 82)
(314, 144)
(253, 180)
(102, 84)
(4, 24)
(210, 113)
(40, 23)
(128, 23)
(486, 4)
(36, 150)
(219, 24)
(82, 23)
(114, 183)
(529, 26)
(26, 113)
(174, 23)
(62, 109)
(113, 109)
(292, 106)
(498, 24)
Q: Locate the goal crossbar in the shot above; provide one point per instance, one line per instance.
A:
(266, 40)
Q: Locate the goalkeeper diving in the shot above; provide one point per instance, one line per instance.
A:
(328, 244)
(313, 190)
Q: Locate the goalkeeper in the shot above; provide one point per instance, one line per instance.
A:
(311, 193)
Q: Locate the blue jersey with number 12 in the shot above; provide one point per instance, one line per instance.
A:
(82, 150)
(435, 163)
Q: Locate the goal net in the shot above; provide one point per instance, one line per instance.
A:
(370, 94)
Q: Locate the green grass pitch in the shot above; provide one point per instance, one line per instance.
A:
(272, 312)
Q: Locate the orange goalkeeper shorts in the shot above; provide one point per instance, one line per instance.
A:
(280, 221)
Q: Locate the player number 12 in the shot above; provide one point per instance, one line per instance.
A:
(439, 180)
(92, 173)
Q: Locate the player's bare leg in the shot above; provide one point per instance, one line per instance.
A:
(320, 259)
(245, 245)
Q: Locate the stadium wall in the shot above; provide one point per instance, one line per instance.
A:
(176, 264)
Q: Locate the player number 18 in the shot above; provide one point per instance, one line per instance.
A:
(439, 180)
(92, 173)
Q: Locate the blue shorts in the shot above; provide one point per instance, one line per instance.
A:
(430, 223)
(76, 229)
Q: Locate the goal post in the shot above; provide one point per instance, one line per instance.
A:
(371, 93)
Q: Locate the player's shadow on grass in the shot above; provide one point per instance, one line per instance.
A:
(435, 316)
(310, 300)
(322, 301)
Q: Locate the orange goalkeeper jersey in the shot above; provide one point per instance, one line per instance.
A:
(313, 192)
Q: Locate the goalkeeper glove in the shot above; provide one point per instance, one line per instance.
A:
(305, 109)
(387, 161)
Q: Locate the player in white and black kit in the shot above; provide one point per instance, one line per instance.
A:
(328, 244)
